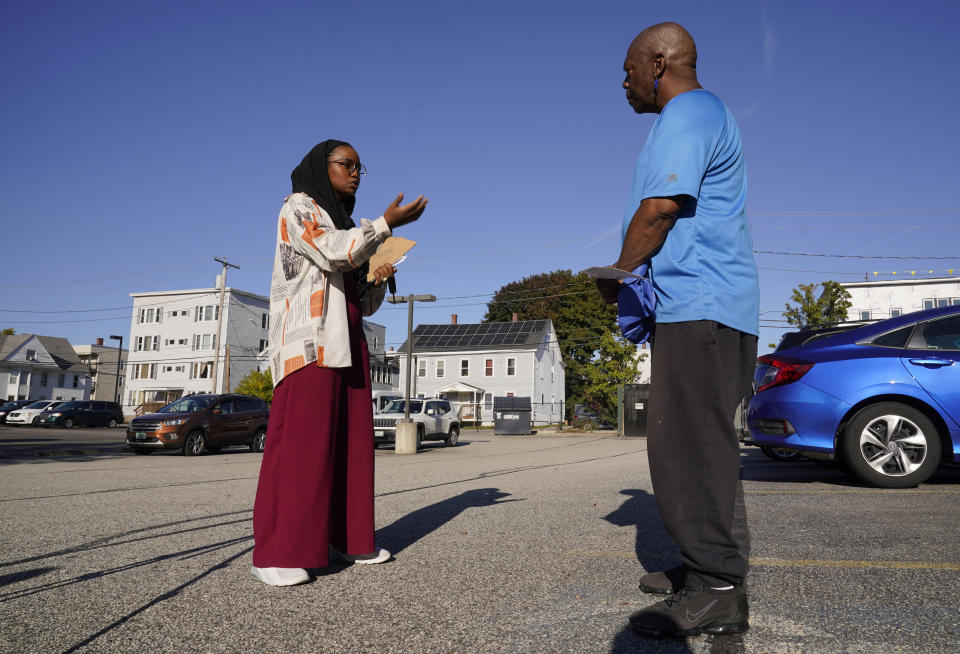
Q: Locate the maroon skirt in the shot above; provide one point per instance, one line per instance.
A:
(316, 477)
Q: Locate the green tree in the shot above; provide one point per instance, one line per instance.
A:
(829, 307)
(595, 355)
(258, 384)
(9, 331)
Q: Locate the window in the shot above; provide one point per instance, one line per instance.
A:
(61, 379)
(263, 344)
(31, 355)
(511, 367)
(895, 312)
(941, 334)
(422, 368)
(897, 339)
(207, 341)
(488, 368)
(201, 370)
(440, 368)
(552, 373)
(864, 315)
(43, 379)
(464, 367)
(143, 371)
(488, 401)
(182, 341)
(76, 381)
(150, 315)
(263, 321)
(509, 394)
(928, 304)
(208, 312)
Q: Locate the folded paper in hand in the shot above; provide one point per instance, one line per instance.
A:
(391, 251)
(637, 306)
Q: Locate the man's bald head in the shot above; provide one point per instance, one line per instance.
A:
(660, 64)
(668, 39)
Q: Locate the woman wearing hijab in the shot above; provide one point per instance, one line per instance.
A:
(315, 494)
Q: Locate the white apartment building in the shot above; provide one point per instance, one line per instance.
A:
(171, 346)
(470, 364)
(888, 298)
(107, 367)
(384, 374)
(35, 367)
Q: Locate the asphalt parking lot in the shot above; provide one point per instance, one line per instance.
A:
(502, 544)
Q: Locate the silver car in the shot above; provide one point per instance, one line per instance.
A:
(436, 421)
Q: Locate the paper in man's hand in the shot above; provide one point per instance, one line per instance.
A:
(609, 272)
(391, 251)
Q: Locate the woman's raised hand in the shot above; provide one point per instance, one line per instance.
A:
(395, 215)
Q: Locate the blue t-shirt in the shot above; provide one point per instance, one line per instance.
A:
(705, 269)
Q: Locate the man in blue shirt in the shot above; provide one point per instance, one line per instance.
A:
(687, 219)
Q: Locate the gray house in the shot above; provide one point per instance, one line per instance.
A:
(34, 367)
(470, 364)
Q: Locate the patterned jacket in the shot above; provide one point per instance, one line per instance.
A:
(308, 307)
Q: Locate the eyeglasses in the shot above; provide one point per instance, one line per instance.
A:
(351, 166)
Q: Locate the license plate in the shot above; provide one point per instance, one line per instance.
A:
(141, 435)
(378, 433)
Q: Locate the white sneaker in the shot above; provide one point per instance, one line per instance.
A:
(379, 555)
(280, 576)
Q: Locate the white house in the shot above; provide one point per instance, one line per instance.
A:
(34, 367)
(888, 298)
(384, 373)
(107, 367)
(470, 364)
(172, 343)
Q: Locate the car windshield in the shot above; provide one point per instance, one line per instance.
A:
(397, 406)
(188, 405)
(42, 404)
(9, 405)
(69, 405)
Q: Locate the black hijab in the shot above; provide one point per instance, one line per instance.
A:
(311, 177)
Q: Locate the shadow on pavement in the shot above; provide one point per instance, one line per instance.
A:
(402, 533)
(17, 577)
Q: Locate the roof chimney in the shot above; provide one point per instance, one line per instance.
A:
(453, 319)
(514, 319)
(99, 341)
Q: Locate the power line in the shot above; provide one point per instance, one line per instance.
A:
(857, 256)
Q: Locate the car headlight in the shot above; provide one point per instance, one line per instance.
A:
(55, 415)
(172, 423)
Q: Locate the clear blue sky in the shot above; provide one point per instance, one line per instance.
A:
(140, 140)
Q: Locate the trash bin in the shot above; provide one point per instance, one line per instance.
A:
(636, 397)
(511, 415)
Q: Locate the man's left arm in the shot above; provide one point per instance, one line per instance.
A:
(647, 231)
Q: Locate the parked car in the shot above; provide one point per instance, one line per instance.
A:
(82, 413)
(201, 423)
(435, 418)
(30, 414)
(883, 398)
(12, 405)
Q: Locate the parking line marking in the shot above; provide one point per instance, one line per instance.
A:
(852, 491)
(792, 563)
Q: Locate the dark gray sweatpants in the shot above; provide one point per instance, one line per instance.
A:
(700, 371)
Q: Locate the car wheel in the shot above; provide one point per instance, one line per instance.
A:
(111, 423)
(259, 441)
(195, 444)
(892, 446)
(141, 451)
(452, 436)
(36, 421)
(780, 454)
(68, 423)
(419, 436)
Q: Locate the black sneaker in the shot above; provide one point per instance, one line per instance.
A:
(695, 609)
(666, 582)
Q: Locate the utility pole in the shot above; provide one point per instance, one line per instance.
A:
(226, 368)
(216, 337)
(116, 380)
(406, 434)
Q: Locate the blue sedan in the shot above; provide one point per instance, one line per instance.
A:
(883, 398)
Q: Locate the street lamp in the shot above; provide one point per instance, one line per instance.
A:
(408, 431)
(116, 380)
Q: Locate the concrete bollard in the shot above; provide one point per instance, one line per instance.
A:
(406, 438)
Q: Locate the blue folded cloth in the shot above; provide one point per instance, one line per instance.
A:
(637, 306)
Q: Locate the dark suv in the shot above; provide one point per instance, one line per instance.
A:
(199, 423)
(82, 413)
